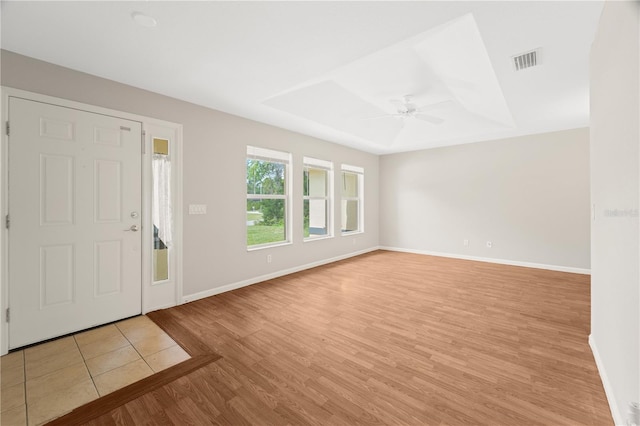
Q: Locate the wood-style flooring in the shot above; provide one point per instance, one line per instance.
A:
(383, 338)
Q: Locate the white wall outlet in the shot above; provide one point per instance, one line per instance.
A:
(197, 209)
(269, 258)
(489, 244)
(466, 243)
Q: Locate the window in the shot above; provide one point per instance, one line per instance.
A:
(317, 182)
(161, 209)
(267, 197)
(352, 206)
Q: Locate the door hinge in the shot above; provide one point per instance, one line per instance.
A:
(7, 222)
(8, 128)
(144, 134)
(7, 315)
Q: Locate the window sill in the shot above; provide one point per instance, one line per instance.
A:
(308, 240)
(268, 246)
(346, 234)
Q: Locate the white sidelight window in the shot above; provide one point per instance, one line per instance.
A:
(161, 209)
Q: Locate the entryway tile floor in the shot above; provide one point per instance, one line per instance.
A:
(48, 380)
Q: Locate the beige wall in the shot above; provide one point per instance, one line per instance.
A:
(529, 196)
(615, 186)
(214, 146)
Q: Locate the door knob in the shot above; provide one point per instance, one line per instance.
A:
(134, 228)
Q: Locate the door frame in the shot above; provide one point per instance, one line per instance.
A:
(159, 296)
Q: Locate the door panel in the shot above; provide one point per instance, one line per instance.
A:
(56, 184)
(108, 267)
(74, 182)
(107, 192)
(57, 282)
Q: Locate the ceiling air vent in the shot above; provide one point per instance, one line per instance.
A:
(526, 60)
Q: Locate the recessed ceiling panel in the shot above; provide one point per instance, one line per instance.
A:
(390, 74)
(457, 55)
(331, 104)
(447, 65)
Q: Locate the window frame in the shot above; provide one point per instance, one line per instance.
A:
(168, 247)
(327, 167)
(272, 156)
(359, 173)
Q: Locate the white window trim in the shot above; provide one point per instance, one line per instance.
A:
(317, 164)
(266, 154)
(161, 132)
(359, 171)
(314, 163)
(274, 156)
(352, 169)
(268, 245)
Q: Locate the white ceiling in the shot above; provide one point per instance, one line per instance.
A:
(325, 68)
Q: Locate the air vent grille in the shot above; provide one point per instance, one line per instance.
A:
(526, 60)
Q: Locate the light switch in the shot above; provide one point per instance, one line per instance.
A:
(197, 209)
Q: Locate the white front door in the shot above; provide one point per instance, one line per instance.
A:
(74, 208)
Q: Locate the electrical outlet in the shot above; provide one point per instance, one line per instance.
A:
(489, 244)
(466, 243)
(268, 258)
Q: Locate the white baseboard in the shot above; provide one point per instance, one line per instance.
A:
(618, 417)
(255, 280)
(491, 260)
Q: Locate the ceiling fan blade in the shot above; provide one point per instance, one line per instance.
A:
(381, 116)
(376, 117)
(397, 136)
(429, 118)
(397, 102)
(436, 105)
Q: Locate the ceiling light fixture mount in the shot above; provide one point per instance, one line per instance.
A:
(144, 20)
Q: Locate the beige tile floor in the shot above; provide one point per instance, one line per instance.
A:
(46, 381)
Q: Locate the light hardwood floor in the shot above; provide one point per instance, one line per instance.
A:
(387, 338)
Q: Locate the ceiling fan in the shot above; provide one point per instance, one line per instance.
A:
(406, 109)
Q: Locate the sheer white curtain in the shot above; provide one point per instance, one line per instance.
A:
(162, 197)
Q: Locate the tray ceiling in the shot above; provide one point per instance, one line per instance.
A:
(326, 69)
